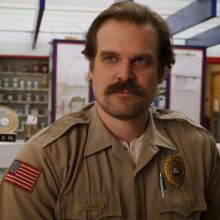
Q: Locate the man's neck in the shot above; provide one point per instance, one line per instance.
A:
(126, 130)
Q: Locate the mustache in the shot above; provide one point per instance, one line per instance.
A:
(128, 85)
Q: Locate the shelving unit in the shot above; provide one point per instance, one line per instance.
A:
(25, 88)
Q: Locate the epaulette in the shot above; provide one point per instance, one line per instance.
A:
(165, 114)
(59, 127)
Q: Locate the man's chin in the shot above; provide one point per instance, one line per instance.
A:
(124, 116)
(124, 110)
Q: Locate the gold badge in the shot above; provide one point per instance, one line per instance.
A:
(175, 170)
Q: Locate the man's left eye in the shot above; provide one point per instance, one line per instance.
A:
(111, 58)
(143, 61)
(140, 61)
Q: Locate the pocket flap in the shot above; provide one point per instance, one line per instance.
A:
(179, 201)
(81, 206)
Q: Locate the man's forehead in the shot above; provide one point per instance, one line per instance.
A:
(116, 37)
(112, 28)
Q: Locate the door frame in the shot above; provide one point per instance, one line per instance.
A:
(212, 60)
(213, 74)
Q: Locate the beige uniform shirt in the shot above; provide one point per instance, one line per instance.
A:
(134, 147)
(82, 172)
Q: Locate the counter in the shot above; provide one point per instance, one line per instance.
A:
(8, 150)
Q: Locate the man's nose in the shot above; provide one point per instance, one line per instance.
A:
(125, 71)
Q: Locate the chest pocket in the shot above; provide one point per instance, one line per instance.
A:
(180, 205)
(91, 207)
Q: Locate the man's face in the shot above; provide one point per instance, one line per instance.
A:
(125, 69)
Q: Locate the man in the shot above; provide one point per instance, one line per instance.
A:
(118, 158)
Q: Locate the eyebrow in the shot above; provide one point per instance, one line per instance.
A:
(144, 55)
(107, 53)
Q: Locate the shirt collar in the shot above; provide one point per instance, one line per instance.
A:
(157, 137)
(100, 138)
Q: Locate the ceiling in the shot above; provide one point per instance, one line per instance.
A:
(73, 17)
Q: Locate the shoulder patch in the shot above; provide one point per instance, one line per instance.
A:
(22, 175)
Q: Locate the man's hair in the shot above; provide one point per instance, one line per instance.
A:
(137, 14)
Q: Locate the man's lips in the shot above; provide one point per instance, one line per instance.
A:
(123, 92)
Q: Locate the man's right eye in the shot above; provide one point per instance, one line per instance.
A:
(111, 59)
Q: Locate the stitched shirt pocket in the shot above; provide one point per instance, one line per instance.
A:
(91, 206)
(180, 205)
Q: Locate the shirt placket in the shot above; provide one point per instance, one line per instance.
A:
(139, 195)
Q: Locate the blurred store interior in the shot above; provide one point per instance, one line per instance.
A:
(43, 74)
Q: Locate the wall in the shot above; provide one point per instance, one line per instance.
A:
(213, 51)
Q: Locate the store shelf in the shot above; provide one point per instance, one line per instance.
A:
(25, 88)
(24, 102)
(22, 73)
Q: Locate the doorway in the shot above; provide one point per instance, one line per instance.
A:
(215, 105)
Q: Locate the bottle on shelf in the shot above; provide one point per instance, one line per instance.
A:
(19, 97)
(29, 84)
(45, 98)
(6, 83)
(26, 109)
(24, 68)
(35, 68)
(36, 84)
(10, 97)
(44, 68)
(37, 98)
(45, 83)
(28, 97)
(15, 83)
(21, 84)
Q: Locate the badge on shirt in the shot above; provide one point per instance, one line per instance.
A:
(175, 170)
(22, 175)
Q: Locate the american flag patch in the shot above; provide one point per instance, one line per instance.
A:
(22, 175)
